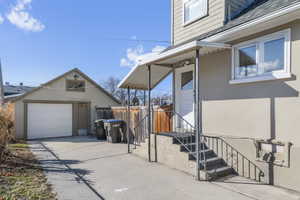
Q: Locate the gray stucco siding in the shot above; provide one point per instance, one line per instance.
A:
(257, 110)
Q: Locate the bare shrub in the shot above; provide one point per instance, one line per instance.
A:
(6, 128)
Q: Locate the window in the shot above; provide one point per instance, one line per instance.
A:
(75, 85)
(194, 10)
(187, 81)
(265, 58)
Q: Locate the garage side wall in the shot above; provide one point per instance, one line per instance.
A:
(56, 92)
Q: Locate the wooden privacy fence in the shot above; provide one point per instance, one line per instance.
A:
(161, 116)
(162, 119)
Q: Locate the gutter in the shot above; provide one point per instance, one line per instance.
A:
(228, 33)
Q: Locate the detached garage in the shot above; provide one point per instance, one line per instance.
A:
(62, 107)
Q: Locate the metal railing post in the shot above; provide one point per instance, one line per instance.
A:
(128, 119)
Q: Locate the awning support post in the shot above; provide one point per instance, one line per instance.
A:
(149, 112)
(144, 97)
(198, 112)
(128, 119)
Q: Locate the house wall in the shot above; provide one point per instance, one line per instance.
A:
(215, 19)
(56, 91)
(241, 112)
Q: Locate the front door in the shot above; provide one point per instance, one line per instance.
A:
(186, 95)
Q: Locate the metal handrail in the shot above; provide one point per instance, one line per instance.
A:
(231, 149)
(186, 140)
(138, 134)
(139, 123)
(207, 141)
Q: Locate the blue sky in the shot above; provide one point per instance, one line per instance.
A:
(42, 39)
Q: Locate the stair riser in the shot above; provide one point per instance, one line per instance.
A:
(214, 176)
(191, 148)
(184, 140)
(209, 154)
(213, 165)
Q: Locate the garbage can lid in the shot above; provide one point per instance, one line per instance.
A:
(100, 120)
(113, 121)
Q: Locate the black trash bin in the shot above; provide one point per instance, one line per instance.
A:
(115, 130)
(100, 131)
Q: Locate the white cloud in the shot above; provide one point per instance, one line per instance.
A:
(133, 37)
(20, 17)
(137, 54)
(271, 65)
(132, 56)
(158, 48)
(1, 19)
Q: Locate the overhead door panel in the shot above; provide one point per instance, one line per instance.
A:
(49, 120)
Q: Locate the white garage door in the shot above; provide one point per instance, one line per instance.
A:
(49, 120)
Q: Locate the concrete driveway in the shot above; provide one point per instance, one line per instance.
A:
(84, 168)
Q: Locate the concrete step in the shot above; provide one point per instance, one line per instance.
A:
(207, 152)
(214, 174)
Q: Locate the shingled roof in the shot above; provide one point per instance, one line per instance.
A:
(16, 89)
(257, 9)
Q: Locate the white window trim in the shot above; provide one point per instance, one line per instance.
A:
(279, 74)
(186, 23)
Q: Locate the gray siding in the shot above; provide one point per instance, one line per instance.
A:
(215, 19)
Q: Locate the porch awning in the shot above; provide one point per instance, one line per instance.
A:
(162, 64)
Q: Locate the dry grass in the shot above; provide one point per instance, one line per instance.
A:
(6, 129)
(21, 178)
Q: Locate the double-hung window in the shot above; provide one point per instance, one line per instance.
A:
(194, 10)
(264, 58)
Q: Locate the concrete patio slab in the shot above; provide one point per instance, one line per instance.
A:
(108, 172)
